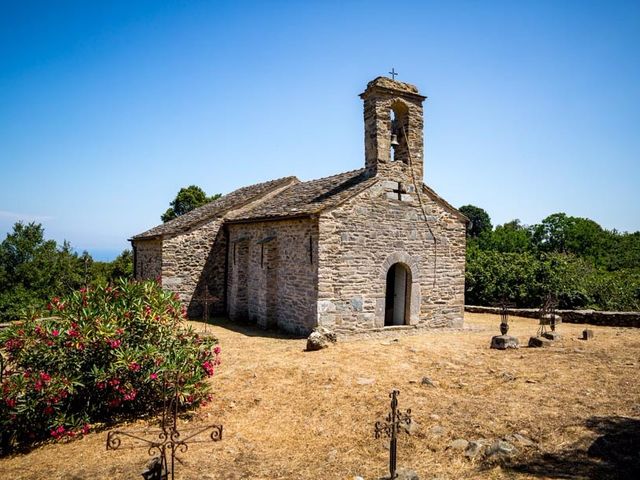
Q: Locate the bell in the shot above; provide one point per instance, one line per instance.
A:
(394, 140)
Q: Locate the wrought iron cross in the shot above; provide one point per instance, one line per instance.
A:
(207, 299)
(547, 314)
(390, 428)
(504, 315)
(393, 73)
(168, 441)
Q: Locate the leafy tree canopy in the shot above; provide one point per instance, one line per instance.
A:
(186, 200)
(565, 234)
(585, 265)
(511, 237)
(479, 220)
(34, 269)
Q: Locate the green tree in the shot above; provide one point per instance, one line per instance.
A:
(479, 220)
(622, 251)
(122, 266)
(186, 200)
(512, 237)
(33, 269)
(109, 272)
(566, 234)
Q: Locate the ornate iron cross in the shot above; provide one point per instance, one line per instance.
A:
(390, 428)
(168, 441)
(207, 299)
(547, 314)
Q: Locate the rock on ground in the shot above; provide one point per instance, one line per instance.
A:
(474, 448)
(406, 474)
(459, 444)
(320, 338)
(539, 342)
(521, 439)
(500, 450)
(428, 382)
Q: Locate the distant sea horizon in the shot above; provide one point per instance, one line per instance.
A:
(101, 254)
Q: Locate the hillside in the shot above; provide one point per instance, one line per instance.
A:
(309, 415)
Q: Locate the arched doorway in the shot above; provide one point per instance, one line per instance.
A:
(398, 295)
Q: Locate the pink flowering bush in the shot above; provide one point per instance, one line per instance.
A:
(98, 356)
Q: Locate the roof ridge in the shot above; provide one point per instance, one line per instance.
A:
(357, 170)
(193, 213)
(307, 198)
(216, 207)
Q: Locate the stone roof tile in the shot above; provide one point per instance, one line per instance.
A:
(295, 199)
(232, 201)
(306, 198)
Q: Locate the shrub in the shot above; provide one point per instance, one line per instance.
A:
(101, 355)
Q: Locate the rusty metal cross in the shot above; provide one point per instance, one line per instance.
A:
(168, 441)
(390, 428)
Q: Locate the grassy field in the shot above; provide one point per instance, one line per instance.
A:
(291, 414)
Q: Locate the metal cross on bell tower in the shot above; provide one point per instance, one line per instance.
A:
(393, 73)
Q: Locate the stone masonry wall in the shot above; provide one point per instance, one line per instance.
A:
(361, 239)
(192, 263)
(591, 317)
(193, 267)
(381, 97)
(148, 259)
(272, 274)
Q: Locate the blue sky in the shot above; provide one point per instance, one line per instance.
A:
(108, 108)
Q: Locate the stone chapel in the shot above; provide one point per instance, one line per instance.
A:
(358, 251)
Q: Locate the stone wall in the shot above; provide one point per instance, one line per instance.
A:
(148, 259)
(193, 267)
(591, 317)
(361, 239)
(272, 272)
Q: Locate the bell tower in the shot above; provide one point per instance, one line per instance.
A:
(393, 130)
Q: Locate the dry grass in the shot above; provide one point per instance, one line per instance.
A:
(290, 414)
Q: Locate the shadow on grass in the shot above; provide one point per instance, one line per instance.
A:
(246, 328)
(615, 454)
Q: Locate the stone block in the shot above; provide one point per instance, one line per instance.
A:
(326, 306)
(392, 196)
(552, 335)
(502, 342)
(357, 303)
(537, 342)
(587, 334)
(389, 185)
